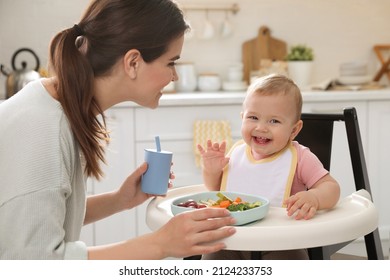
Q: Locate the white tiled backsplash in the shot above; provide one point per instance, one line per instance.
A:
(338, 31)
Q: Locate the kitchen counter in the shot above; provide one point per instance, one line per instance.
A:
(224, 98)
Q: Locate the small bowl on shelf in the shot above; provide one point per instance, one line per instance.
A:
(209, 82)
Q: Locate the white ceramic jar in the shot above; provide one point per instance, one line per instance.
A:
(187, 78)
(209, 82)
(235, 73)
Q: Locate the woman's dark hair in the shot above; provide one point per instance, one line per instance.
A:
(107, 30)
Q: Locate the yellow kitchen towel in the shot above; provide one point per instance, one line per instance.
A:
(216, 131)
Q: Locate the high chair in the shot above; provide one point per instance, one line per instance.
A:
(317, 134)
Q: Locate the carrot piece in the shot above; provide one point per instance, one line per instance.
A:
(238, 199)
(224, 204)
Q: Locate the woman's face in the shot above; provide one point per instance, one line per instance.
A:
(154, 76)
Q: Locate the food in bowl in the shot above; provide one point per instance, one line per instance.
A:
(236, 204)
(192, 204)
(256, 206)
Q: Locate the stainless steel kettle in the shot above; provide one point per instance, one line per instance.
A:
(17, 79)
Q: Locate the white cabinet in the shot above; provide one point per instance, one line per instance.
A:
(176, 123)
(120, 164)
(378, 157)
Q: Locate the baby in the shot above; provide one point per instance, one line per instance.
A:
(267, 162)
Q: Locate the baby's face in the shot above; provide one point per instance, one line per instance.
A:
(268, 123)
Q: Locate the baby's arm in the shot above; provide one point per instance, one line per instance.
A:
(214, 160)
(323, 195)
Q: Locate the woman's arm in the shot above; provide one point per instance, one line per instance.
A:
(126, 197)
(101, 206)
(190, 233)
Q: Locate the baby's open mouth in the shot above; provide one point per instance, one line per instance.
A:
(261, 140)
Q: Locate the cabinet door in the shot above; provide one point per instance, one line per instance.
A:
(379, 159)
(176, 123)
(120, 164)
(341, 167)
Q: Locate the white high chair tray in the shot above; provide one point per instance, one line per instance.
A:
(354, 216)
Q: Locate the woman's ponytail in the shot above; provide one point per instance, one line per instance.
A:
(75, 78)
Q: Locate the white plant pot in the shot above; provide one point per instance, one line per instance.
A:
(300, 72)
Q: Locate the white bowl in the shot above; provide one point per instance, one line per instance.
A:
(242, 217)
(354, 68)
(354, 80)
(209, 82)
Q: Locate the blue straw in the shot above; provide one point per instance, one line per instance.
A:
(158, 145)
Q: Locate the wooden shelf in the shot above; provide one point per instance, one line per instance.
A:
(234, 8)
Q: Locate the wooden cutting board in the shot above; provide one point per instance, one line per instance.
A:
(262, 47)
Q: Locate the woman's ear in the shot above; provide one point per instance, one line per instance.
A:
(296, 129)
(131, 62)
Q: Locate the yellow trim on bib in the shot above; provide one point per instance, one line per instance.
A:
(291, 175)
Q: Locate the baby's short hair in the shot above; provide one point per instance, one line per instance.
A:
(274, 84)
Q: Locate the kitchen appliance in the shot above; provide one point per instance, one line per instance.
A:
(19, 77)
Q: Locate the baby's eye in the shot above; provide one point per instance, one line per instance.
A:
(273, 121)
(252, 117)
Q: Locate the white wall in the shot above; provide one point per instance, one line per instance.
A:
(338, 30)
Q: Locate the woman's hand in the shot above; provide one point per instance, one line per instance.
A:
(195, 232)
(187, 234)
(130, 194)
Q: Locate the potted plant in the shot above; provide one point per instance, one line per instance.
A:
(300, 64)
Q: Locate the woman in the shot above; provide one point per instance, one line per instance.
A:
(53, 130)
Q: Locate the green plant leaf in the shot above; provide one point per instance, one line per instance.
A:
(300, 53)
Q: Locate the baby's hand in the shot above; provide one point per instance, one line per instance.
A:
(304, 204)
(213, 156)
